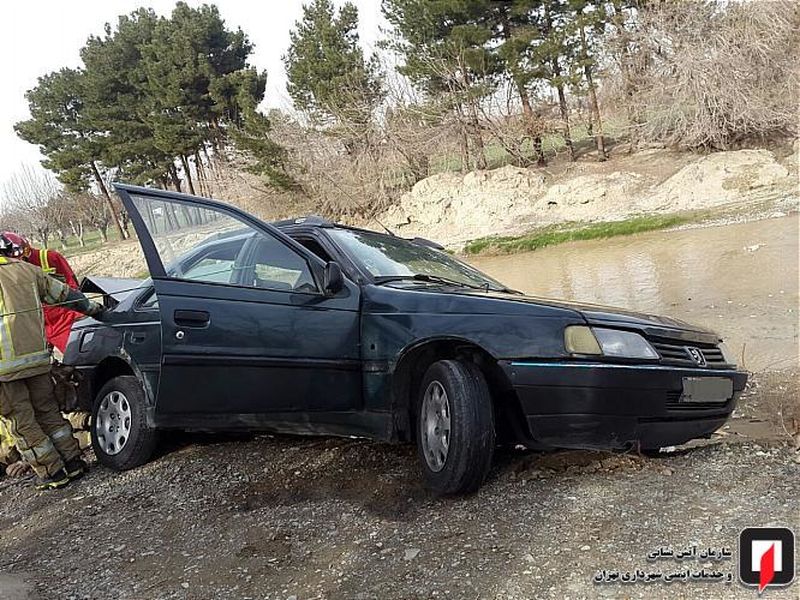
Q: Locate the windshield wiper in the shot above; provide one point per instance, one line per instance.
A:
(430, 279)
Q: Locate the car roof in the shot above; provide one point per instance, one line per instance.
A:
(312, 221)
(309, 220)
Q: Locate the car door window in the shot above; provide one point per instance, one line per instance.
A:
(210, 245)
(277, 267)
(148, 301)
(313, 246)
(214, 264)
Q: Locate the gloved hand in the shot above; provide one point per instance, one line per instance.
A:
(17, 469)
(96, 311)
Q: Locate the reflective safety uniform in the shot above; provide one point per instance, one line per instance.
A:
(27, 401)
(8, 453)
(57, 319)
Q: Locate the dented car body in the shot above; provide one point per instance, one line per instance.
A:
(310, 327)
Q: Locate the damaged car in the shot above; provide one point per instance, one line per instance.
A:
(310, 327)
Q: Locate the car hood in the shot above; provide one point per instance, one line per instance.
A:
(113, 289)
(595, 314)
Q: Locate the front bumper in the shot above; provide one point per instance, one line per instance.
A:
(613, 406)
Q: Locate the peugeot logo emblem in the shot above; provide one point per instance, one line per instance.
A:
(696, 355)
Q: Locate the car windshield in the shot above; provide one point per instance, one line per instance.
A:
(388, 258)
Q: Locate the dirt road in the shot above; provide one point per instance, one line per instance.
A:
(280, 518)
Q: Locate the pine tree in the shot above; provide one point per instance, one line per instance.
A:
(445, 47)
(239, 98)
(64, 134)
(588, 23)
(117, 99)
(515, 32)
(329, 78)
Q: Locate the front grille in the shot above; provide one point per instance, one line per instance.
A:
(674, 352)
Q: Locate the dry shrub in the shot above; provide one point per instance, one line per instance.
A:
(729, 81)
(355, 171)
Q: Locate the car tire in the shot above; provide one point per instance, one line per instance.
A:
(455, 427)
(121, 437)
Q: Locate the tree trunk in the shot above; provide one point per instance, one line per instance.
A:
(104, 190)
(530, 126)
(595, 124)
(477, 137)
(473, 124)
(562, 106)
(463, 140)
(80, 234)
(629, 87)
(103, 229)
(188, 172)
(202, 181)
(176, 181)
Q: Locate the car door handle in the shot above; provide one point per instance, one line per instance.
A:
(192, 318)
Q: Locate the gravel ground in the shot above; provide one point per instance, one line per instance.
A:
(287, 517)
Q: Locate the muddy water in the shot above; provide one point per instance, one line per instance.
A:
(739, 280)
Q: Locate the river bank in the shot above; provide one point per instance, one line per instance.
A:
(494, 210)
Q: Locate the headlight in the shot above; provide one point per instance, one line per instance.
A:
(581, 340)
(607, 342)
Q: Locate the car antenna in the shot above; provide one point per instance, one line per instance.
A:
(385, 228)
(360, 204)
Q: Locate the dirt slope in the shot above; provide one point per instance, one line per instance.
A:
(454, 209)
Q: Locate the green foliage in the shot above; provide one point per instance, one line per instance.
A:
(328, 76)
(550, 236)
(445, 44)
(117, 98)
(58, 126)
(151, 91)
(253, 137)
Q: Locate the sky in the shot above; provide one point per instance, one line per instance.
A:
(41, 36)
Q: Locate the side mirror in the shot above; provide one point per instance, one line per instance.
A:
(332, 278)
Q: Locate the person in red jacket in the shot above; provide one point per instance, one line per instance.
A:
(57, 319)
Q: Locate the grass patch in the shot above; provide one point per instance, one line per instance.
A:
(558, 234)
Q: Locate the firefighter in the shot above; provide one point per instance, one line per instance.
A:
(57, 319)
(27, 401)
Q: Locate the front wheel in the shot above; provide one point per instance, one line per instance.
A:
(455, 427)
(121, 437)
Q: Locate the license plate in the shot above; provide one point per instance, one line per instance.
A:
(707, 389)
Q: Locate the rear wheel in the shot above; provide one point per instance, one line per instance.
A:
(121, 437)
(455, 427)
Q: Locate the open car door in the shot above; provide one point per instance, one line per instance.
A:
(248, 333)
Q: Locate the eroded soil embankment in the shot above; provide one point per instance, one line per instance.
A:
(454, 209)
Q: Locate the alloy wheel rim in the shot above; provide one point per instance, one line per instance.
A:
(435, 426)
(113, 423)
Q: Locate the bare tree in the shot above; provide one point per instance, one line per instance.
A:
(28, 203)
(732, 79)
